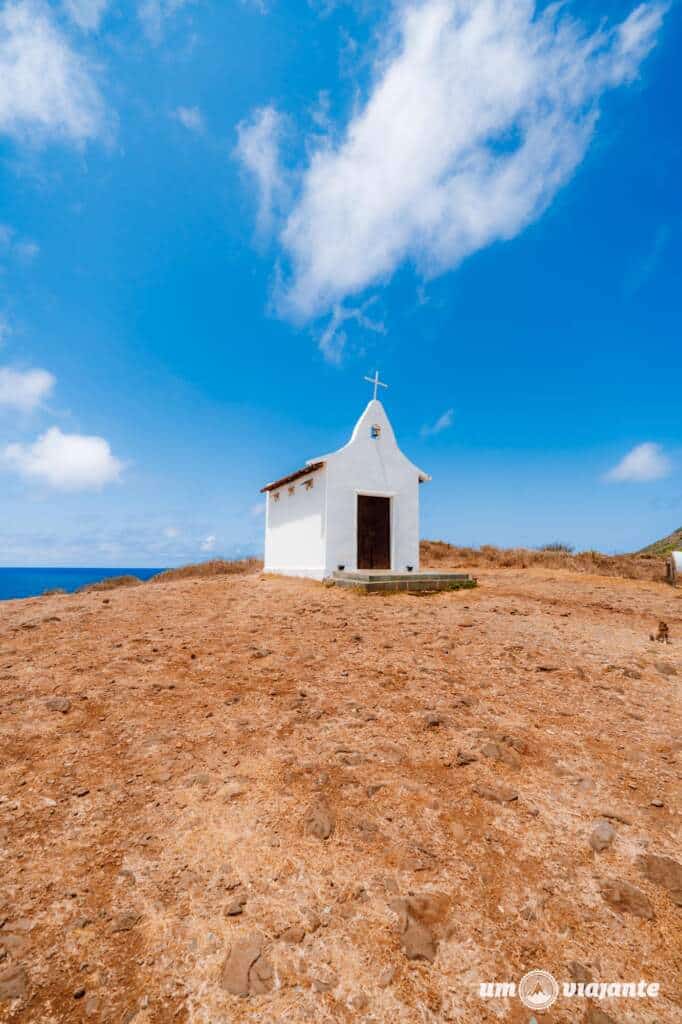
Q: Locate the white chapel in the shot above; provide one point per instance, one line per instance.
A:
(355, 509)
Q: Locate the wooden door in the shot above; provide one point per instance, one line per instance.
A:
(374, 532)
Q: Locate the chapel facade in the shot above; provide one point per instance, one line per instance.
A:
(354, 509)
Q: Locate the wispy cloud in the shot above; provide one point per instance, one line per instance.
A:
(480, 111)
(258, 150)
(190, 117)
(334, 338)
(24, 390)
(12, 246)
(87, 14)
(442, 423)
(70, 462)
(154, 13)
(644, 463)
(208, 543)
(46, 87)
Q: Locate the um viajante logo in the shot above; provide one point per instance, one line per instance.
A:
(538, 990)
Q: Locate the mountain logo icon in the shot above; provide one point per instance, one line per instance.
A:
(538, 990)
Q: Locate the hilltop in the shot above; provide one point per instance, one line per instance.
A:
(249, 799)
(662, 548)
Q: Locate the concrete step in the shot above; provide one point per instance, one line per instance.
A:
(369, 582)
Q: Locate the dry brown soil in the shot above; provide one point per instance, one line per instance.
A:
(266, 800)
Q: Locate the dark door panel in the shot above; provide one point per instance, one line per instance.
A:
(374, 532)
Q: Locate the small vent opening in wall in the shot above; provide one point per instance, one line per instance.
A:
(376, 430)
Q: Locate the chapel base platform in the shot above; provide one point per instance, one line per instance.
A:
(371, 581)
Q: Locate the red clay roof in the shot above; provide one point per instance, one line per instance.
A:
(312, 468)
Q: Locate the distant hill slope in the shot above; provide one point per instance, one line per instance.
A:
(663, 547)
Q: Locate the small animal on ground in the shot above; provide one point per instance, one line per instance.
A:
(663, 634)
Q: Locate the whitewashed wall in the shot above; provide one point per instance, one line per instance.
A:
(294, 528)
(371, 466)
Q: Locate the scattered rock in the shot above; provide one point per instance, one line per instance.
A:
(432, 719)
(324, 980)
(602, 836)
(236, 905)
(81, 791)
(498, 794)
(293, 935)
(13, 983)
(61, 704)
(465, 757)
(663, 871)
(417, 915)
(233, 789)
(657, 803)
(79, 993)
(615, 815)
(625, 898)
(386, 976)
(665, 668)
(125, 922)
(320, 820)
(244, 972)
(579, 972)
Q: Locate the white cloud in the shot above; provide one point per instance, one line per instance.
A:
(46, 88)
(23, 249)
(87, 14)
(153, 14)
(258, 148)
(24, 390)
(480, 111)
(442, 423)
(65, 461)
(334, 337)
(171, 532)
(190, 117)
(208, 543)
(644, 463)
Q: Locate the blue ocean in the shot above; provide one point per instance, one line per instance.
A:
(33, 582)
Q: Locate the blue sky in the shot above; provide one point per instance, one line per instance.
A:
(216, 218)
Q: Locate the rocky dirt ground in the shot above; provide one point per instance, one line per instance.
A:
(257, 799)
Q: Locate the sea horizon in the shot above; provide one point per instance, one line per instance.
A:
(17, 582)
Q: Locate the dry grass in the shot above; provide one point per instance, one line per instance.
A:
(216, 567)
(436, 553)
(111, 583)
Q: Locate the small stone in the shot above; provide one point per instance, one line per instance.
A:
(79, 993)
(236, 905)
(61, 704)
(602, 836)
(625, 898)
(432, 720)
(239, 963)
(615, 815)
(233, 790)
(324, 980)
(465, 757)
(663, 871)
(293, 935)
(13, 983)
(125, 922)
(657, 803)
(579, 972)
(81, 791)
(320, 820)
(498, 794)
(359, 1001)
(386, 976)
